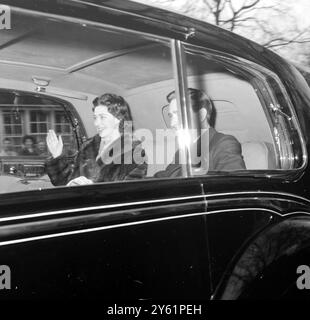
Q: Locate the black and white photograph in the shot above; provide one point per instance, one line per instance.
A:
(154, 154)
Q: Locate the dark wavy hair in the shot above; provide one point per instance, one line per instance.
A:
(28, 137)
(118, 107)
(199, 100)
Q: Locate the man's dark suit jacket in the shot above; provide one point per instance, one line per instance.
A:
(224, 155)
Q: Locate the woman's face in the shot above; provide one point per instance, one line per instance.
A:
(106, 124)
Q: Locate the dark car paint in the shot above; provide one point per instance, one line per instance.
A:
(177, 225)
(166, 228)
(270, 261)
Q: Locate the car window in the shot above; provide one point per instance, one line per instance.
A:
(89, 103)
(25, 120)
(245, 113)
(65, 88)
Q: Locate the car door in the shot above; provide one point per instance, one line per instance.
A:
(260, 149)
(141, 239)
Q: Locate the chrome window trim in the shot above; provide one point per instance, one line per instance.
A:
(179, 69)
(259, 72)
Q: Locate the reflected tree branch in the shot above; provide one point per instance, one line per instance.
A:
(241, 16)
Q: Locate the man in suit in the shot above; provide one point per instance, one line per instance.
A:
(223, 151)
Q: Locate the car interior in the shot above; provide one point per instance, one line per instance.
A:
(52, 70)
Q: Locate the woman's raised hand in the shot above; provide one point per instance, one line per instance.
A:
(54, 144)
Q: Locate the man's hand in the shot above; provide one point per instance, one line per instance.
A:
(54, 144)
(79, 181)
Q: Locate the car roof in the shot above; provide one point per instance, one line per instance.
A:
(157, 21)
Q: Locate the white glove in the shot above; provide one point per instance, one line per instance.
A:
(82, 180)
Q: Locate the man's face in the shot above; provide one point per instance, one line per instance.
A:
(173, 114)
(105, 122)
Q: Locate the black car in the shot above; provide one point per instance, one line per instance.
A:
(199, 234)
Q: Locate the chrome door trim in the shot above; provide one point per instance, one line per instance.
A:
(136, 203)
(120, 225)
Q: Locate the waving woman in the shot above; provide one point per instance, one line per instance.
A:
(110, 155)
